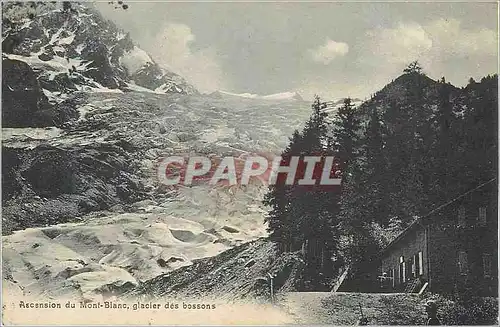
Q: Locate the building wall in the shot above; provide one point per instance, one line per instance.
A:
(443, 254)
(459, 249)
(450, 235)
(408, 248)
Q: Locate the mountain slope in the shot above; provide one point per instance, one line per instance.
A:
(69, 51)
(108, 222)
(399, 90)
(283, 96)
(241, 272)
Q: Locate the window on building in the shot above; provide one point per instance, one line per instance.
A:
(393, 275)
(404, 271)
(461, 216)
(420, 263)
(462, 263)
(482, 216)
(487, 265)
(414, 267)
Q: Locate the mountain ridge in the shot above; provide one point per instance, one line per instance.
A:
(84, 37)
(290, 95)
(64, 52)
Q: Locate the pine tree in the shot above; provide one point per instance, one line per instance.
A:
(346, 128)
(290, 218)
(279, 219)
(304, 216)
(376, 179)
(480, 130)
(409, 140)
(413, 68)
(357, 200)
(444, 149)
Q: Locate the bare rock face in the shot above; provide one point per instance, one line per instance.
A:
(97, 54)
(153, 77)
(22, 96)
(51, 184)
(56, 53)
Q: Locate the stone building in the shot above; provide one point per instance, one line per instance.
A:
(452, 249)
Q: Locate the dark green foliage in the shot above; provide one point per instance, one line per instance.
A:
(474, 311)
(345, 134)
(423, 143)
(415, 145)
(419, 137)
(305, 216)
(467, 310)
(413, 68)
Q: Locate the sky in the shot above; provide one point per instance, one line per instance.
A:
(332, 49)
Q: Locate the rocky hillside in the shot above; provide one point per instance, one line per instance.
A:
(242, 272)
(51, 52)
(107, 156)
(399, 91)
(84, 208)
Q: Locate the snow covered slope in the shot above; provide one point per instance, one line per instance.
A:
(78, 49)
(81, 202)
(93, 234)
(283, 96)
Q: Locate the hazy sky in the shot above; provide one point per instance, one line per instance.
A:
(331, 49)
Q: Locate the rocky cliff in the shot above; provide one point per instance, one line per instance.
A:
(50, 52)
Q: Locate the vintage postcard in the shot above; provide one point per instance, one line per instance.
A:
(249, 163)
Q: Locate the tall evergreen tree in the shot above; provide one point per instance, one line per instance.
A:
(304, 216)
(278, 198)
(481, 130)
(376, 179)
(413, 68)
(444, 167)
(346, 127)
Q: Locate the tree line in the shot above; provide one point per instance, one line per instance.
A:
(414, 145)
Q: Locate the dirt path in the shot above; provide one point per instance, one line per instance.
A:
(343, 308)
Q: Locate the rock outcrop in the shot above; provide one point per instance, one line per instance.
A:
(53, 53)
(22, 96)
